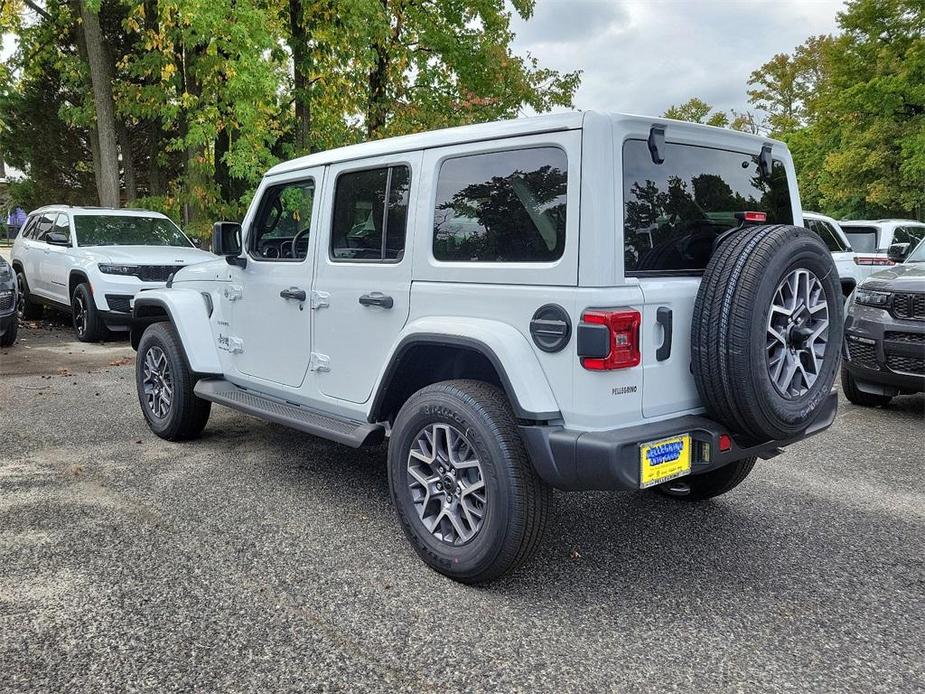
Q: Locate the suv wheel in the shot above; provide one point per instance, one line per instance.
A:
(465, 492)
(709, 484)
(12, 327)
(165, 386)
(856, 395)
(26, 308)
(87, 322)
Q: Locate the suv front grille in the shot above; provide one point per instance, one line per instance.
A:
(909, 305)
(6, 300)
(910, 338)
(908, 365)
(863, 354)
(119, 302)
(156, 273)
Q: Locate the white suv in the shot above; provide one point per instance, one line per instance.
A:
(849, 271)
(580, 301)
(92, 262)
(871, 240)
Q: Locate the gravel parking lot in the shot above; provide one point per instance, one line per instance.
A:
(261, 559)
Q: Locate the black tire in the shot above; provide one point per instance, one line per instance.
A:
(26, 307)
(857, 396)
(88, 324)
(729, 335)
(516, 499)
(187, 415)
(12, 328)
(709, 484)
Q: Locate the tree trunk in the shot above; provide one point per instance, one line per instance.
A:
(101, 80)
(376, 107)
(95, 152)
(128, 163)
(298, 44)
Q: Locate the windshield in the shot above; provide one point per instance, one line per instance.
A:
(862, 239)
(918, 255)
(123, 230)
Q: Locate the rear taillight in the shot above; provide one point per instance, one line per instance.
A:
(618, 346)
(872, 260)
(752, 217)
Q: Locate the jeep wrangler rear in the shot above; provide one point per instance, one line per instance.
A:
(578, 301)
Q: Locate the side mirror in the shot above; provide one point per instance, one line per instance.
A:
(226, 241)
(56, 238)
(898, 252)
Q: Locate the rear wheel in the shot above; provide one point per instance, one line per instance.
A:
(709, 484)
(26, 307)
(88, 324)
(858, 396)
(466, 495)
(165, 386)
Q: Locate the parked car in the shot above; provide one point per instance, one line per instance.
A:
(871, 239)
(9, 320)
(575, 301)
(884, 346)
(92, 261)
(849, 271)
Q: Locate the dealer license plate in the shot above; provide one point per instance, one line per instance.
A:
(663, 460)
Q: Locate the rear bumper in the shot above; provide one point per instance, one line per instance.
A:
(585, 460)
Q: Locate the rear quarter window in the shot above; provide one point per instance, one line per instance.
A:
(908, 234)
(673, 211)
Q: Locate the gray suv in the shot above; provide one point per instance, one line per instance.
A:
(884, 347)
(9, 320)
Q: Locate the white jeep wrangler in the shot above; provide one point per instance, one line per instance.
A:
(579, 301)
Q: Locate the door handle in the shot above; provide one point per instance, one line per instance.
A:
(293, 293)
(664, 319)
(377, 299)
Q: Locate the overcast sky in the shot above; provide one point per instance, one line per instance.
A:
(642, 56)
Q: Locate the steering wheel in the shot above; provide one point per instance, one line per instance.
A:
(296, 238)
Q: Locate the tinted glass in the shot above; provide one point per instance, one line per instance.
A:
(361, 228)
(28, 231)
(283, 223)
(826, 233)
(911, 235)
(862, 239)
(62, 225)
(673, 211)
(502, 207)
(124, 230)
(43, 226)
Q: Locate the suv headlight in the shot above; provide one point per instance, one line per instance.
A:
(869, 297)
(112, 269)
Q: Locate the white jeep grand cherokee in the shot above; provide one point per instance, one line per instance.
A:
(579, 301)
(91, 261)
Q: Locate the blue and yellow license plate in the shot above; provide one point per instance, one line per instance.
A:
(660, 461)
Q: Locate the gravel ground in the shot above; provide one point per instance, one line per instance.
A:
(260, 559)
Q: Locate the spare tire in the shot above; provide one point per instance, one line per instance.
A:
(766, 331)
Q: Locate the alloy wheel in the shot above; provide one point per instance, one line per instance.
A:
(797, 333)
(157, 382)
(79, 309)
(20, 296)
(446, 483)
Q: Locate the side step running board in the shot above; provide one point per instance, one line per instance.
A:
(349, 432)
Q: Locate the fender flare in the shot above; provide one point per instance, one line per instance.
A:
(188, 312)
(526, 385)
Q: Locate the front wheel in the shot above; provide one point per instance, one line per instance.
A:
(9, 335)
(26, 308)
(165, 386)
(709, 484)
(466, 495)
(88, 324)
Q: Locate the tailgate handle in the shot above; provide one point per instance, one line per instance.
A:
(663, 317)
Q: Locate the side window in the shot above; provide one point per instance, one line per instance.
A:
(62, 225)
(283, 222)
(502, 207)
(910, 235)
(44, 225)
(371, 214)
(827, 234)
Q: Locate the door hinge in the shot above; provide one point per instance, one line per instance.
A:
(320, 299)
(233, 293)
(319, 362)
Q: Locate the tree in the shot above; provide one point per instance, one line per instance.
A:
(696, 110)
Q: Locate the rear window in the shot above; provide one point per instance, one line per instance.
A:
(673, 211)
(862, 239)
